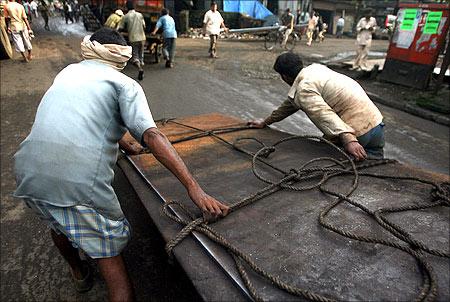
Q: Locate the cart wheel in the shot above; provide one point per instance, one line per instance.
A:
(270, 40)
(290, 44)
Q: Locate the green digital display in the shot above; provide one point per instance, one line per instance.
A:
(432, 23)
(409, 19)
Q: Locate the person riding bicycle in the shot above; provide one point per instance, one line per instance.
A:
(287, 21)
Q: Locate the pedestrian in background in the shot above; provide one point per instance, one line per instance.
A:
(312, 24)
(167, 24)
(17, 24)
(340, 27)
(68, 12)
(34, 8)
(365, 27)
(212, 22)
(287, 20)
(133, 22)
(43, 8)
(322, 30)
(28, 11)
(114, 19)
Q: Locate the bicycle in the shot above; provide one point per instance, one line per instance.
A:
(274, 38)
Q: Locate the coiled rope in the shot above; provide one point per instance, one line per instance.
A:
(292, 180)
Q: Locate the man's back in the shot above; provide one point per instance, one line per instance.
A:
(167, 23)
(134, 23)
(72, 147)
(16, 12)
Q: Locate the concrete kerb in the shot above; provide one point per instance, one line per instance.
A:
(415, 110)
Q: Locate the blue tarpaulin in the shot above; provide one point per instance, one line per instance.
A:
(253, 8)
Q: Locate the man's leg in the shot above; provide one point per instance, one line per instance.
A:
(309, 35)
(214, 45)
(17, 38)
(357, 62)
(373, 142)
(286, 37)
(364, 55)
(211, 43)
(115, 274)
(172, 50)
(70, 254)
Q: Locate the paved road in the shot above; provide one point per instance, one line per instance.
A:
(239, 83)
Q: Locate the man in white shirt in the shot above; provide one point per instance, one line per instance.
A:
(34, 8)
(340, 27)
(212, 22)
(365, 27)
(312, 23)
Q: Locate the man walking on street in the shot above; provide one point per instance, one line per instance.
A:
(365, 27)
(335, 103)
(287, 20)
(64, 168)
(167, 24)
(114, 19)
(133, 22)
(212, 22)
(34, 8)
(43, 8)
(17, 24)
(312, 23)
(340, 27)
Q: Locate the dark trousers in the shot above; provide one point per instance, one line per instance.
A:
(213, 44)
(373, 142)
(169, 49)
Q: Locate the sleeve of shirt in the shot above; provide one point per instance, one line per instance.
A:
(205, 18)
(134, 110)
(159, 23)
(321, 114)
(359, 26)
(286, 109)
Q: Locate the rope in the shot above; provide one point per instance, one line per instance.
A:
(292, 180)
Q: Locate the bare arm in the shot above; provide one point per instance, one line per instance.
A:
(164, 152)
(25, 19)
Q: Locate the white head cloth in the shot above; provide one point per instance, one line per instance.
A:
(113, 55)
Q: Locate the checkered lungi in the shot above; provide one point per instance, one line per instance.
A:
(95, 234)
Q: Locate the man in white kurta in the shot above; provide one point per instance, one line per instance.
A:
(365, 27)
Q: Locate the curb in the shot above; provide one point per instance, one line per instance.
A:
(414, 110)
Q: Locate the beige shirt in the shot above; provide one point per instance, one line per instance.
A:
(16, 13)
(134, 23)
(364, 36)
(335, 103)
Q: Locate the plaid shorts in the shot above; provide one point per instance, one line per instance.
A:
(96, 235)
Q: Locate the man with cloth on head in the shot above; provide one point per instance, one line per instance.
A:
(64, 168)
(335, 103)
(114, 19)
(133, 22)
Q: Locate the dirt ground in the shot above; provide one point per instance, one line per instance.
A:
(240, 83)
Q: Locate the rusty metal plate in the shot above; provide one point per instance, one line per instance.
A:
(281, 232)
